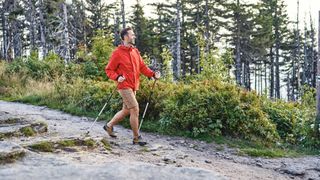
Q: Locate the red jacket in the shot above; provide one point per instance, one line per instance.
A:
(126, 61)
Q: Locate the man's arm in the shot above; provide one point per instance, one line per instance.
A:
(112, 66)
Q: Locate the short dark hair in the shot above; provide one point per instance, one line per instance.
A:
(124, 32)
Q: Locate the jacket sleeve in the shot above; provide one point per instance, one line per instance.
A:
(112, 66)
(144, 69)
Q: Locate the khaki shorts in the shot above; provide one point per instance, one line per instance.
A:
(128, 98)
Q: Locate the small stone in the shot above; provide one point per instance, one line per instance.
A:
(178, 165)
(155, 148)
(192, 160)
(160, 164)
(294, 172)
(259, 164)
(191, 146)
(155, 154)
(208, 161)
(166, 158)
(68, 149)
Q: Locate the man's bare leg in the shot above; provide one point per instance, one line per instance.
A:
(119, 116)
(134, 121)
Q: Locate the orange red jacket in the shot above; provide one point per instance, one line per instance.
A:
(126, 61)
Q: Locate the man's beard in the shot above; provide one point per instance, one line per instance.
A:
(132, 42)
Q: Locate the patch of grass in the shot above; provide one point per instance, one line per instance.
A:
(66, 143)
(11, 157)
(32, 99)
(47, 146)
(106, 144)
(89, 143)
(258, 149)
(7, 135)
(27, 131)
(44, 146)
(10, 121)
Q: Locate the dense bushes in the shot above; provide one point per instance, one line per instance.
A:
(215, 108)
(199, 108)
(205, 105)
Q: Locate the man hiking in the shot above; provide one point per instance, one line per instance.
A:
(125, 66)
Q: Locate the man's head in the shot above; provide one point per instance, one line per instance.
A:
(127, 35)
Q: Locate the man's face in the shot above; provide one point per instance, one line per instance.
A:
(130, 37)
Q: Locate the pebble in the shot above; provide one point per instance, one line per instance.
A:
(293, 171)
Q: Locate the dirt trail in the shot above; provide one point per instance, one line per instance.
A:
(163, 158)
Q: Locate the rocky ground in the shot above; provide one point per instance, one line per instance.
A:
(40, 143)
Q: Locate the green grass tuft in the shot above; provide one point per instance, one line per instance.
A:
(44, 146)
(106, 144)
(27, 131)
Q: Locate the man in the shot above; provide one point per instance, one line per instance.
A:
(125, 66)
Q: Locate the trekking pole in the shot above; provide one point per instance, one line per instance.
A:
(101, 110)
(145, 109)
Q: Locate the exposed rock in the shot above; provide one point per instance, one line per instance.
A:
(155, 147)
(169, 159)
(293, 171)
(111, 171)
(10, 152)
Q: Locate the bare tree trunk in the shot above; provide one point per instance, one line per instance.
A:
(198, 47)
(271, 73)
(66, 34)
(178, 45)
(305, 79)
(238, 59)
(123, 14)
(85, 43)
(17, 44)
(317, 121)
(43, 44)
(277, 88)
(265, 78)
(5, 34)
(288, 87)
(32, 27)
(313, 60)
(298, 62)
(255, 77)
(207, 26)
(296, 71)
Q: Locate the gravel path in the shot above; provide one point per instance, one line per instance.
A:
(163, 158)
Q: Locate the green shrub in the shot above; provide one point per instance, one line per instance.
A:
(215, 108)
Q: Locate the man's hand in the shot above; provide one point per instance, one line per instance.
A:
(121, 79)
(157, 74)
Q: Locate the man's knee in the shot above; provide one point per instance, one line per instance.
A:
(134, 110)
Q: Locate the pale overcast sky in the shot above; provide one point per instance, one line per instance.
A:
(306, 7)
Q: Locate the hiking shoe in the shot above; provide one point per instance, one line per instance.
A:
(110, 131)
(139, 140)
